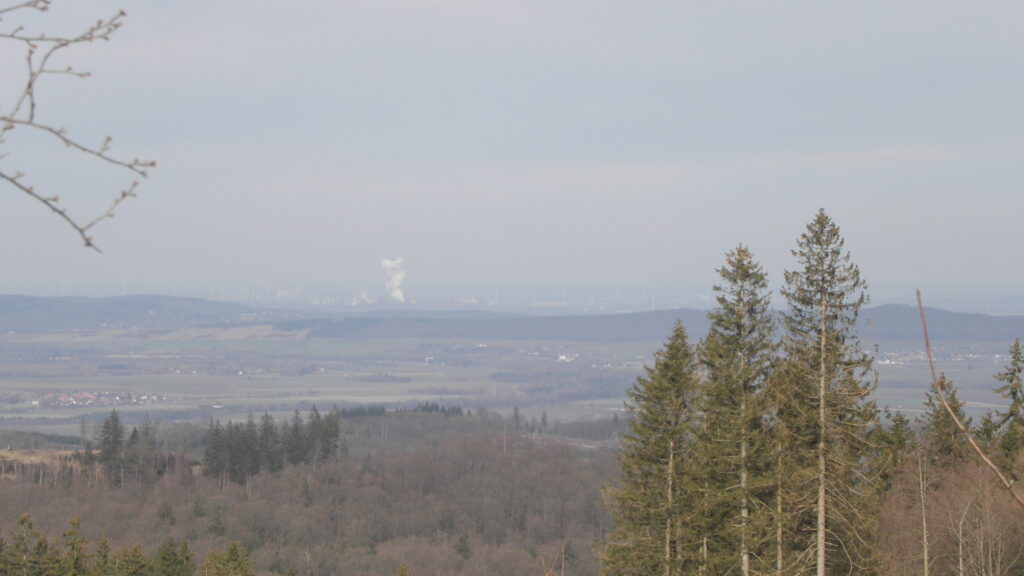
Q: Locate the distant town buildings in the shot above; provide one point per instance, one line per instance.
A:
(101, 398)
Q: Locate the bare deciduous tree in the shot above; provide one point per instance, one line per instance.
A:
(1007, 482)
(38, 52)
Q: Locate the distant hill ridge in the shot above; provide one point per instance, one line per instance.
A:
(901, 322)
(887, 322)
(53, 314)
(627, 327)
(38, 314)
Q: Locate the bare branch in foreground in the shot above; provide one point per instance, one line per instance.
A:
(38, 49)
(1006, 482)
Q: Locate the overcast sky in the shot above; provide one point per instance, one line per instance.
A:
(549, 143)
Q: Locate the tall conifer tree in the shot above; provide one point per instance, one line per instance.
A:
(942, 438)
(296, 440)
(270, 449)
(652, 506)
(1011, 422)
(217, 455)
(737, 355)
(172, 559)
(830, 383)
(112, 446)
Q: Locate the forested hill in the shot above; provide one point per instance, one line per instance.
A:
(888, 322)
(37, 314)
(899, 322)
(34, 314)
(635, 327)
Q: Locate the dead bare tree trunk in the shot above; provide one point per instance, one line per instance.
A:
(924, 515)
(1006, 482)
(959, 534)
(778, 510)
(670, 505)
(744, 504)
(822, 446)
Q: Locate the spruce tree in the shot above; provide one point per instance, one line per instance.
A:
(271, 452)
(893, 440)
(133, 454)
(30, 552)
(233, 562)
(314, 436)
(148, 449)
(111, 445)
(987, 432)
(172, 559)
(75, 559)
(793, 445)
(102, 559)
(941, 437)
(652, 507)
(1011, 422)
(217, 453)
(331, 433)
(296, 440)
(239, 452)
(737, 355)
(251, 454)
(830, 384)
(131, 562)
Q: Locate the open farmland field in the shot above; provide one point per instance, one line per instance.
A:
(904, 375)
(51, 382)
(54, 381)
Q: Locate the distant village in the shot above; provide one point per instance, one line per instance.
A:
(102, 398)
(984, 353)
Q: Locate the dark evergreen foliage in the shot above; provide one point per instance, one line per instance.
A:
(733, 451)
(939, 433)
(239, 451)
(655, 504)
(828, 412)
(111, 445)
(29, 553)
(1011, 421)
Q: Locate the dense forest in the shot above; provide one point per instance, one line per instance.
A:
(436, 489)
(760, 450)
(757, 450)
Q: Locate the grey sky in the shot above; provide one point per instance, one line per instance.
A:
(599, 142)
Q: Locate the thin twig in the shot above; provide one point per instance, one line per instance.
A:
(135, 165)
(40, 5)
(38, 49)
(51, 203)
(1007, 482)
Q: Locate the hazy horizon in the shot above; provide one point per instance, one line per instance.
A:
(553, 298)
(601, 151)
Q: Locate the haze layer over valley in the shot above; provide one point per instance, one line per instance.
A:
(65, 360)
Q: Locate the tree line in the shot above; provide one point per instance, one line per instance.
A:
(123, 456)
(28, 552)
(440, 495)
(239, 451)
(760, 449)
(944, 511)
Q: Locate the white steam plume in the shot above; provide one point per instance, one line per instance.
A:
(393, 268)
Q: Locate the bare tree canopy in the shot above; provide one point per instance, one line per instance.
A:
(38, 51)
